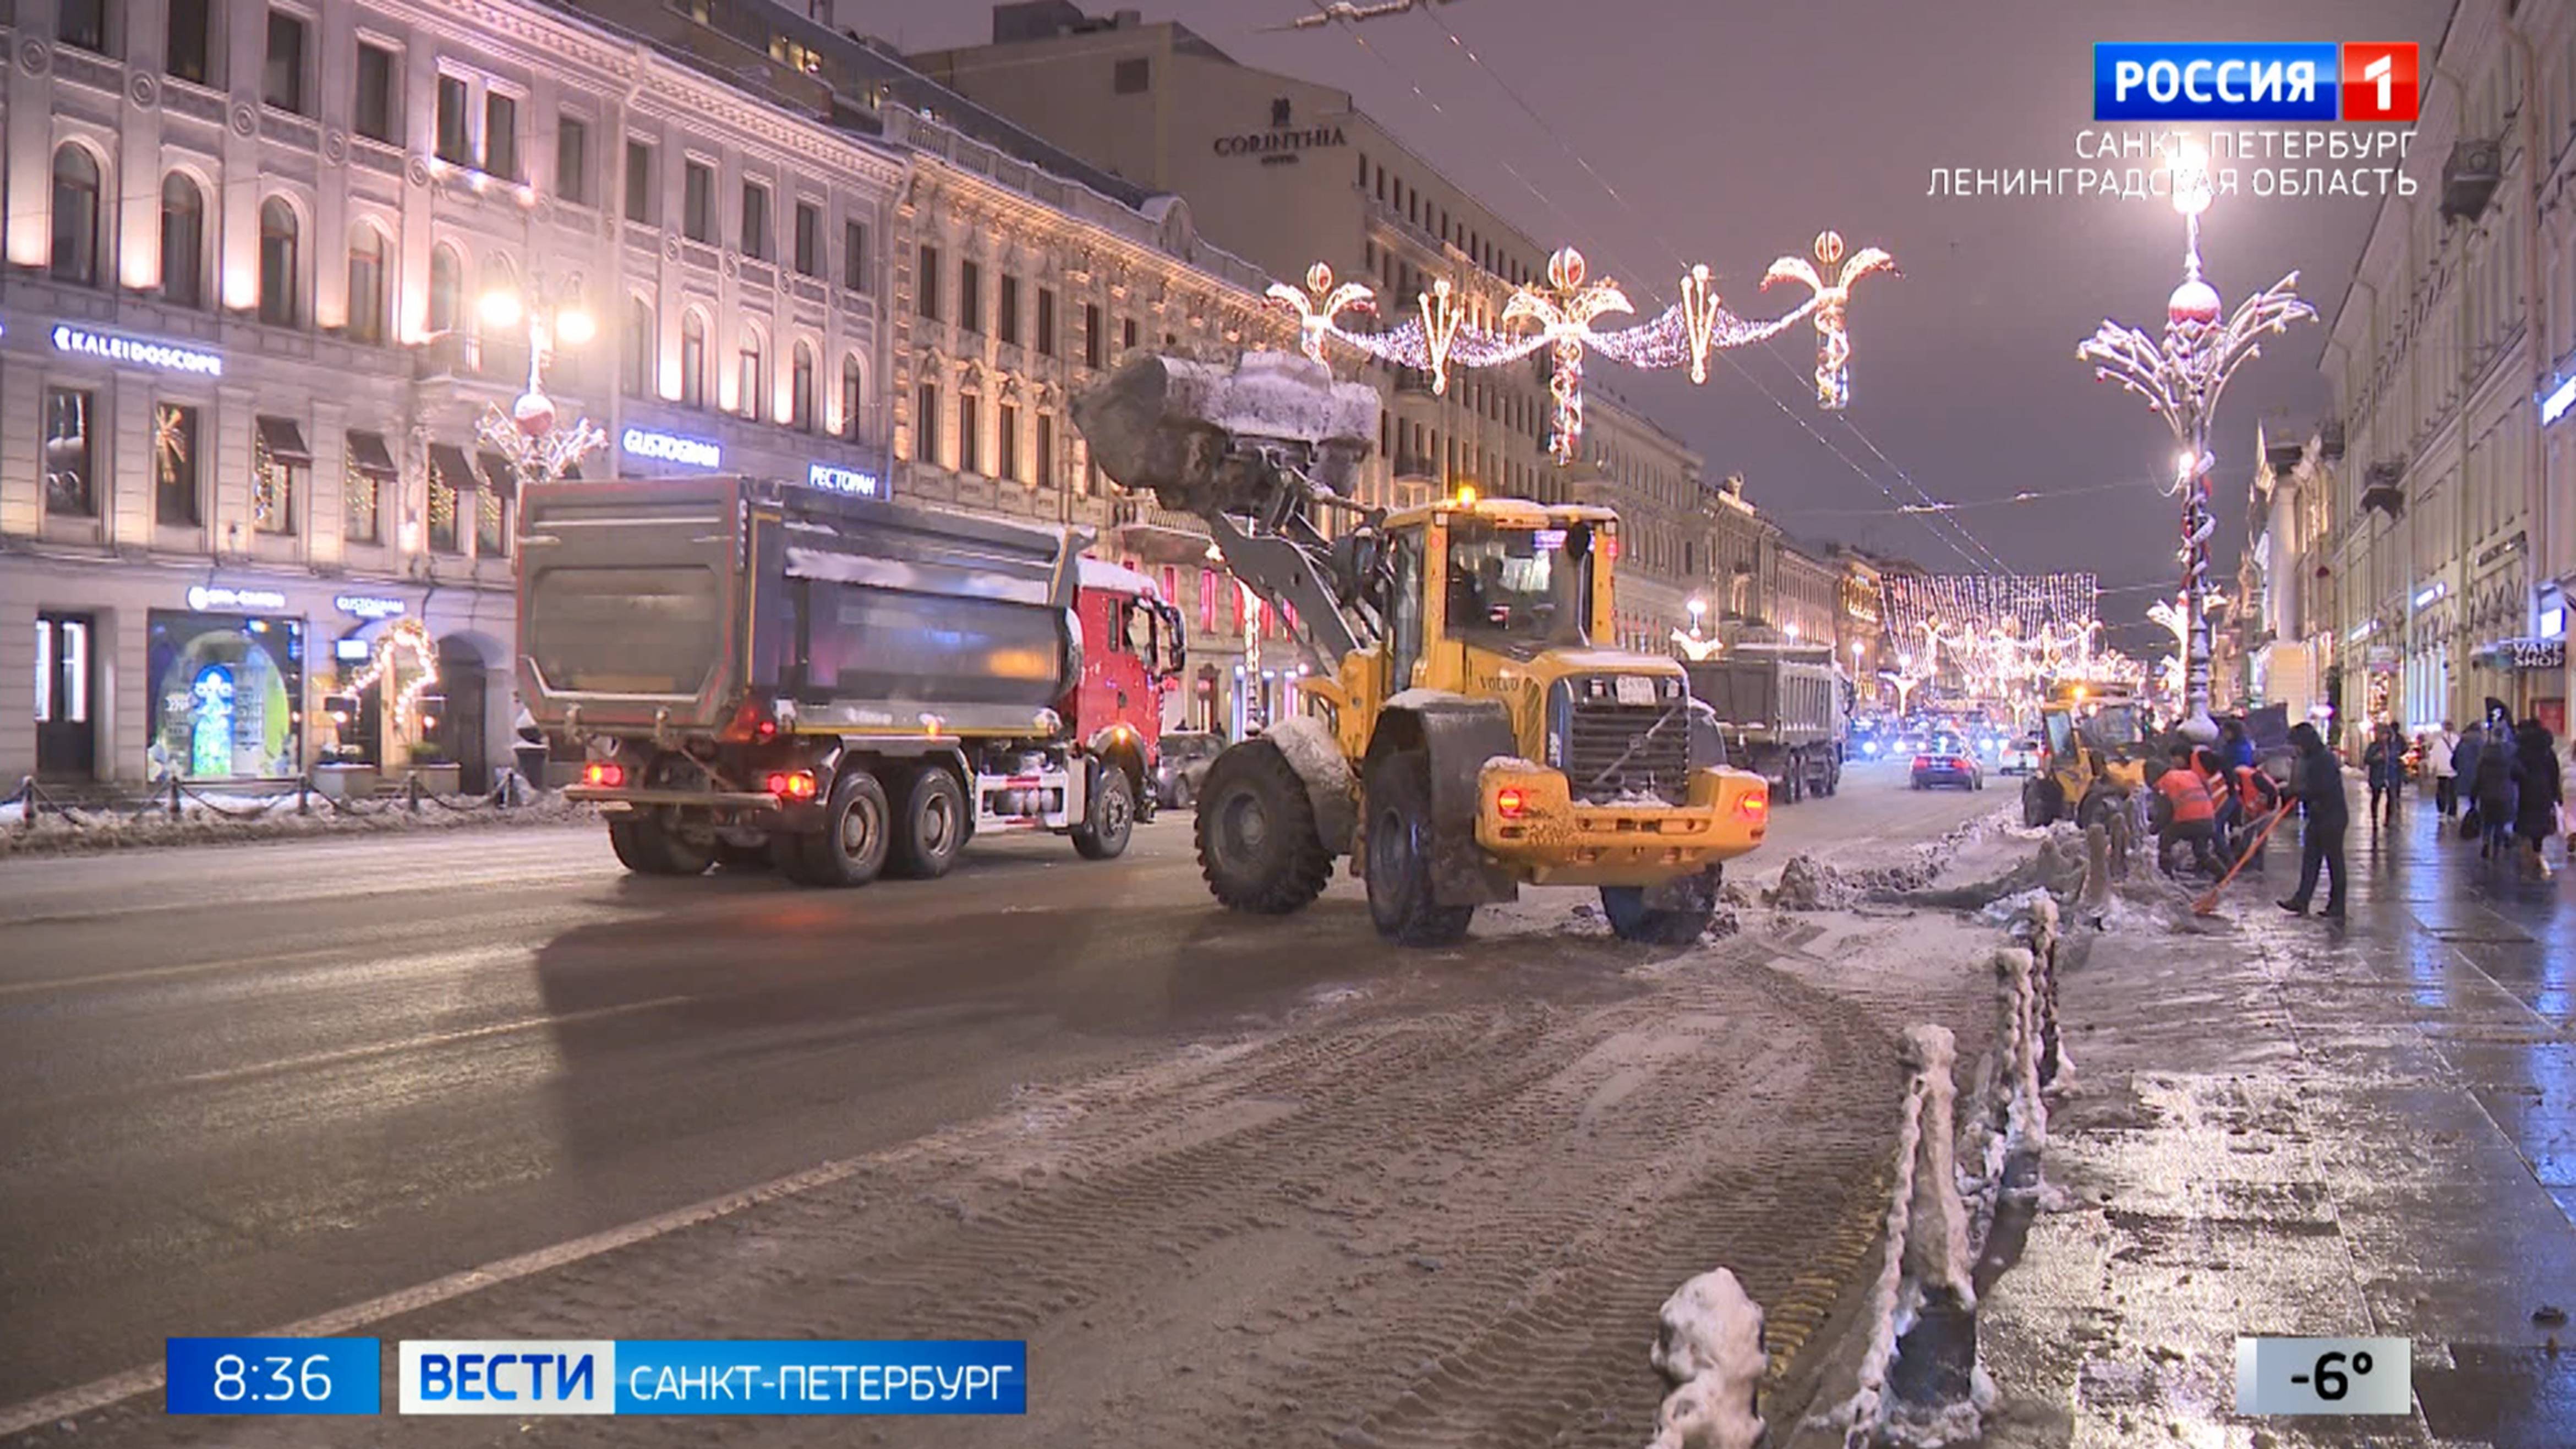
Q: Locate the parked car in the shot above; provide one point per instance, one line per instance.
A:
(1183, 766)
(2021, 757)
(1948, 761)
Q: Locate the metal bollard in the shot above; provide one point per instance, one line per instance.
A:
(411, 791)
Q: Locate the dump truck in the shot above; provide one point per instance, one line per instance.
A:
(1784, 713)
(759, 674)
(2092, 757)
(1470, 733)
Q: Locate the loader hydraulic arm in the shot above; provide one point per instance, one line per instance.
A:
(1254, 452)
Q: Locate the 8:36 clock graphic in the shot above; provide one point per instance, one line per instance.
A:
(275, 1375)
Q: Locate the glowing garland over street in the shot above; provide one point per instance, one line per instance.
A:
(1562, 316)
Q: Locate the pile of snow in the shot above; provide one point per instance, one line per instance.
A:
(264, 818)
(1317, 758)
(1710, 1347)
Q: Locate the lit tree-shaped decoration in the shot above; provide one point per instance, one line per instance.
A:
(1320, 304)
(1831, 300)
(2181, 375)
(1565, 313)
(1440, 319)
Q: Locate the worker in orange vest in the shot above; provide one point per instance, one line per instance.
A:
(2257, 796)
(2190, 812)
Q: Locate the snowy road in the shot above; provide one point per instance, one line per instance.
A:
(1265, 1176)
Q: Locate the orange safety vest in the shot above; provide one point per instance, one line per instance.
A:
(2249, 787)
(2188, 793)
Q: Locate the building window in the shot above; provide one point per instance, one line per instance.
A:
(1091, 334)
(76, 195)
(693, 359)
(446, 290)
(366, 285)
(800, 389)
(639, 182)
(925, 278)
(925, 423)
(282, 83)
(853, 397)
(280, 470)
(1046, 322)
(1132, 77)
(368, 470)
(755, 219)
(82, 24)
(698, 202)
(492, 508)
(501, 135)
(373, 116)
(970, 454)
(189, 38)
(71, 453)
(795, 53)
(1127, 335)
(854, 255)
(1006, 318)
(809, 239)
(449, 481)
(1006, 443)
(454, 143)
(572, 159)
(278, 234)
(174, 466)
(749, 373)
(1046, 450)
(639, 347)
(970, 296)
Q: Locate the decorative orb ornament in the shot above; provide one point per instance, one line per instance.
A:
(1565, 269)
(534, 413)
(1829, 249)
(1319, 279)
(2193, 301)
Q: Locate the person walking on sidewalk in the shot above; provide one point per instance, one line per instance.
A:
(2536, 815)
(2466, 756)
(2383, 765)
(2499, 773)
(2437, 763)
(2189, 809)
(2318, 785)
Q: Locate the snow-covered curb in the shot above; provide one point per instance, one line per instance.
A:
(258, 818)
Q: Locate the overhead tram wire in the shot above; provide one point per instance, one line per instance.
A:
(1993, 561)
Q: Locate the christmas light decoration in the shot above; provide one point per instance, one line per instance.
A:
(526, 435)
(402, 637)
(1565, 314)
(1829, 301)
(2181, 375)
(1319, 305)
(1440, 319)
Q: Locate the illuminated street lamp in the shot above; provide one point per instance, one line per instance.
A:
(1696, 644)
(2181, 376)
(527, 434)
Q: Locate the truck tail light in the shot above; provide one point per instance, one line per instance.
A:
(607, 774)
(753, 720)
(791, 784)
(1510, 803)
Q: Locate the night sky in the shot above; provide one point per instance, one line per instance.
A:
(1732, 132)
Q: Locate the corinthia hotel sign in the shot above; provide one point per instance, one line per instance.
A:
(1283, 140)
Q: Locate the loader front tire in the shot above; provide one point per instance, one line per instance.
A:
(1397, 852)
(1258, 844)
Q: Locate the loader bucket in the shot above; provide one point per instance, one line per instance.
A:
(1179, 428)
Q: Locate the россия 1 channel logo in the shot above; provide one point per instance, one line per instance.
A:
(2295, 81)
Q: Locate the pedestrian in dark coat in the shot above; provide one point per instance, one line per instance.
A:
(2535, 816)
(2384, 768)
(2317, 782)
(2464, 766)
(2499, 779)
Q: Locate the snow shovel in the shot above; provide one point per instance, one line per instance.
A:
(2207, 905)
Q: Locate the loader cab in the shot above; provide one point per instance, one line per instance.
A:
(1498, 576)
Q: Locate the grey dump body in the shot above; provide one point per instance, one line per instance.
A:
(1781, 713)
(665, 605)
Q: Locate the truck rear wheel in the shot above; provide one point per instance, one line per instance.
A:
(647, 846)
(1679, 916)
(1104, 832)
(930, 823)
(1398, 845)
(1258, 844)
(850, 849)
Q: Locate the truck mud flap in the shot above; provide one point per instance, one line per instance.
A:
(1460, 736)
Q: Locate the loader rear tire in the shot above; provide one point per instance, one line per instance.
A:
(1258, 844)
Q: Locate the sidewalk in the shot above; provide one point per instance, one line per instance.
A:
(2280, 1126)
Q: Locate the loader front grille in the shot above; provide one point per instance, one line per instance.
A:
(1627, 752)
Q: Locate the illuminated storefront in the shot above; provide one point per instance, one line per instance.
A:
(226, 690)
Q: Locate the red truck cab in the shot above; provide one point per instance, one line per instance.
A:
(1133, 650)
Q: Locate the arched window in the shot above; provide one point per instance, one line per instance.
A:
(693, 359)
(183, 242)
(279, 236)
(76, 193)
(367, 290)
(853, 397)
(638, 347)
(446, 290)
(800, 403)
(752, 371)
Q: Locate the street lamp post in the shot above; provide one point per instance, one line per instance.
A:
(528, 434)
(2181, 376)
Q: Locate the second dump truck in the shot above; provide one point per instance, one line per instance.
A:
(1473, 735)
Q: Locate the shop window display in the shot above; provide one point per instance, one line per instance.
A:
(226, 692)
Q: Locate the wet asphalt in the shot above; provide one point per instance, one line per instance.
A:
(247, 1085)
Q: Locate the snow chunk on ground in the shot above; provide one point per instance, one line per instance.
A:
(1710, 1346)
